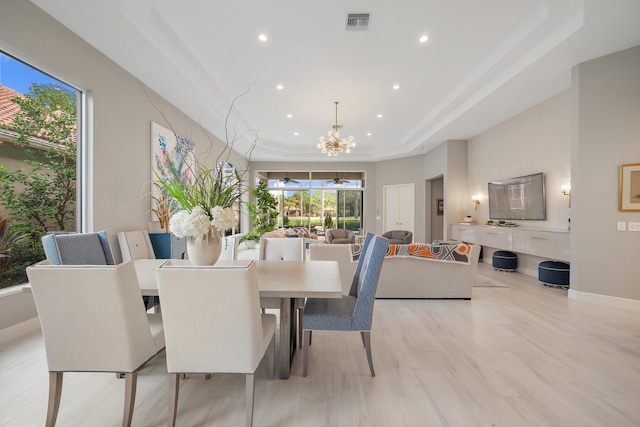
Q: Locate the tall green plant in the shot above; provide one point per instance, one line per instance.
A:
(328, 221)
(264, 212)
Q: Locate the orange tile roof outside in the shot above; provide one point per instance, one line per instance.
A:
(8, 109)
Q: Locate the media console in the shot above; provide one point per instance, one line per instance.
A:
(543, 243)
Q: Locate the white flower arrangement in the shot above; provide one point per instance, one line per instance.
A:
(199, 222)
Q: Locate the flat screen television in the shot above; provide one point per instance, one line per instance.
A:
(520, 198)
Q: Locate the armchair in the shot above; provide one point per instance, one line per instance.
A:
(398, 237)
(340, 236)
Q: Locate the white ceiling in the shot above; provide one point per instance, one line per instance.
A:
(486, 61)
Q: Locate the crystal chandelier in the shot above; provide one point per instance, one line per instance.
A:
(334, 145)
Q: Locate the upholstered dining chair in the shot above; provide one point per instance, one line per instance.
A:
(78, 249)
(283, 249)
(353, 312)
(213, 324)
(398, 237)
(116, 335)
(340, 253)
(229, 249)
(135, 244)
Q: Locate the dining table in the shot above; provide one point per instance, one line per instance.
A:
(285, 280)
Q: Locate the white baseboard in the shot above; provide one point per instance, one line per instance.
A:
(622, 303)
(22, 328)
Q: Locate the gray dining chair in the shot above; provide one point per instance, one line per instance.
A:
(115, 336)
(213, 324)
(78, 249)
(353, 312)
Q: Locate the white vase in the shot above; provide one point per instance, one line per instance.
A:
(250, 244)
(205, 249)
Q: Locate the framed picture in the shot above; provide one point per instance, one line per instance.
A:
(169, 150)
(440, 207)
(630, 187)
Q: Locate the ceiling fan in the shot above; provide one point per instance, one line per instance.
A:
(287, 180)
(337, 181)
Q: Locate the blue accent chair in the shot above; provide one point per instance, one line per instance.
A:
(353, 312)
(78, 249)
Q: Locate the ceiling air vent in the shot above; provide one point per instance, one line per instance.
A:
(358, 21)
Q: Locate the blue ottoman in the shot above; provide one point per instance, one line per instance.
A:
(505, 261)
(554, 274)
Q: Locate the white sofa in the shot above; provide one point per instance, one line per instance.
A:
(412, 277)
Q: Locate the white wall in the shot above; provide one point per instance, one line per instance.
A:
(606, 94)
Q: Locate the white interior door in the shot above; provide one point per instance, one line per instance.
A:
(399, 207)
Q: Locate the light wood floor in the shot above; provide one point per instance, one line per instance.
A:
(519, 356)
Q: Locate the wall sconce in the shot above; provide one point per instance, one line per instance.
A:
(566, 189)
(475, 199)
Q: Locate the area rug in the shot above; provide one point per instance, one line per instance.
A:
(485, 282)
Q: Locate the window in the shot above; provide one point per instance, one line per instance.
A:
(39, 147)
(317, 199)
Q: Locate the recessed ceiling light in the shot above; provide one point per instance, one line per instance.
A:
(423, 39)
(379, 116)
(396, 87)
(368, 133)
(262, 37)
(295, 133)
(279, 87)
(289, 115)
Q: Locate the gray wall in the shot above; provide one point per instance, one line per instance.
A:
(118, 159)
(537, 140)
(408, 170)
(606, 134)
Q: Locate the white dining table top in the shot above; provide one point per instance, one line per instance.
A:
(280, 279)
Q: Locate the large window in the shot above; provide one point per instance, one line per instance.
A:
(39, 152)
(317, 200)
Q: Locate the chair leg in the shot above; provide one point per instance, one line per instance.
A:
(174, 387)
(251, 392)
(363, 341)
(130, 383)
(366, 336)
(300, 328)
(305, 352)
(55, 392)
(271, 357)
